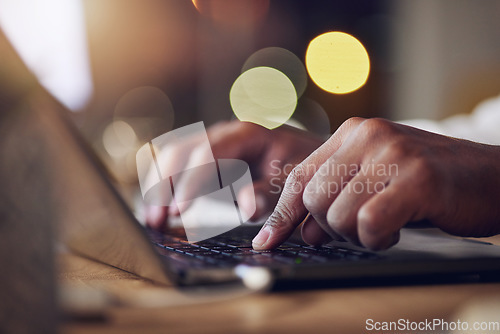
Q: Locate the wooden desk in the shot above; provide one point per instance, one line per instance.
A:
(342, 310)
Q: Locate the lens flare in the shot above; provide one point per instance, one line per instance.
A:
(282, 60)
(313, 117)
(337, 62)
(119, 139)
(263, 95)
(148, 110)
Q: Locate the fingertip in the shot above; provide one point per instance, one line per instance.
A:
(173, 210)
(254, 205)
(156, 216)
(382, 243)
(261, 239)
(372, 233)
(381, 219)
(247, 202)
(272, 234)
(176, 208)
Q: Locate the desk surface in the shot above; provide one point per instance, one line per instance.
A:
(343, 310)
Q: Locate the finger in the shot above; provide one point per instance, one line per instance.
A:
(239, 140)
(199, 178)
(330, 179)
(235, 141)
(156, 217)
(313, 234)
(381, 217)
(290, 210)
(168, 166)
(173, 157)
(265, 198)
(342, 216)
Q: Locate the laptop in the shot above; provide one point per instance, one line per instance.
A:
(95, 222)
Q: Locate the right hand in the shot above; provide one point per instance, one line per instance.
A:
(271, 155)
(373, 176)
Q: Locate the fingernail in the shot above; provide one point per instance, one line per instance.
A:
(261, 238)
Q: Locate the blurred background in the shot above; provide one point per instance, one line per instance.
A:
(129, 71)
(133, 70)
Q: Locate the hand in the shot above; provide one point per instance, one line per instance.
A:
(374, 176)
(270, 154)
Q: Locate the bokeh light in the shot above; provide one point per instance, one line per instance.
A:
(311, 115)
(337, 62)
(119, 139)
(282, 60)
(148, 110)
(233, 13)
(141, 114)
(263, 95)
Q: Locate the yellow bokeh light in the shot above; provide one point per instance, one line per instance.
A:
(282, 60)
(263, 95)
(337, 62)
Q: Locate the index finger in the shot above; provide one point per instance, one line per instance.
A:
(290, 210)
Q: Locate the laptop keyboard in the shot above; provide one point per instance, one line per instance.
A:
(230, 251)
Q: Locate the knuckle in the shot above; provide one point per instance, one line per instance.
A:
(399, 148)
(426, 173)
(423, 166)
(283, 216)
(296, 178)
(216, 132)
(202, 153)
(375, 127)
(219, 126)
(312, 199)
(353, 122)
(245, 127)
(400, 145)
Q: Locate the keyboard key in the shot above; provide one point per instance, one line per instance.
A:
(198, 252)
(288, 258)
(228, 251)
(259, 259)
